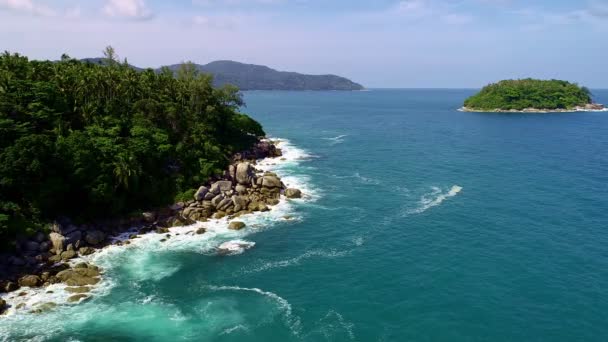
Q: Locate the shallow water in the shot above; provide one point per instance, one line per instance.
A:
(420, 223)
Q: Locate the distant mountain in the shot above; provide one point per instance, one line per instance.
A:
(259, 77)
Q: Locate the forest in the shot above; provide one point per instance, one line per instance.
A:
(85, 141)
(529, 93)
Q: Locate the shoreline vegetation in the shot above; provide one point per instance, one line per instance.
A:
(86, 152)
(532, 96)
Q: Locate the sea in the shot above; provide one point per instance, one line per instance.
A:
(418, 223)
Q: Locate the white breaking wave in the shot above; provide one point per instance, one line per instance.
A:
(292, 320)
(435, 198)
(234, 247)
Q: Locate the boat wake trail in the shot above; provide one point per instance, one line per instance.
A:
(336, 140)
(435, 198)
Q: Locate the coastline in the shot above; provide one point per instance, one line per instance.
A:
(532, 110)
(212, 236)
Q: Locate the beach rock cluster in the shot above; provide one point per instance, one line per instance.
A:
(45, 258)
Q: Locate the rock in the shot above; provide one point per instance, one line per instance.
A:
(201, 193)
(177, 207)
(162, 230)
(217, 199)
(79, 276)
(224, 204)
(79, 289)
(55, 258)
(236, 225)
(244, 173)
(30, 281)
(67, 255)
(40, 237)
(219, 215)
(81, 265)
(271, 181)
(209, 196)
(57, 241)
(86, 250)
(232, 172)
(41, 308)
(70, 247)
(293, 193)
(148, 216)
(201, 231)
(2, 306)
(72, 237)
(221, 186)
(240, 203)
(32, 246)
(64, 229)
(44, 246)
(77, 298)
(240, 189)
(95, 237)
(10, 287)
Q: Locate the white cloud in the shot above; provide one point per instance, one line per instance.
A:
(27, 6)
(130, 9)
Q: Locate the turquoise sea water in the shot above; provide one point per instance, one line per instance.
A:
(421, 223)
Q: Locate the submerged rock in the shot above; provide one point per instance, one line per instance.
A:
(77, 298)
(45, 307)
(79, 276)
(79, 289)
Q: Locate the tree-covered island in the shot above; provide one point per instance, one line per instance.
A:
(531, 95)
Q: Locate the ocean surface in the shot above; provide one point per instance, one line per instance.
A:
(420, 223)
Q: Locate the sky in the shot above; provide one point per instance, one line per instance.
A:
(378, 43)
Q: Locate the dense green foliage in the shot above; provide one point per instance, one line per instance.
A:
(85, 140)
(529, 93)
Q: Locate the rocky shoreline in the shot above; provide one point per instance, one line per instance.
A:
(48, 259)
(592, 107)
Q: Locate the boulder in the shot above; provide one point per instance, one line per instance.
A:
(201, 231)
(293, 193)
(30, 281)
(86, 250)
(216, 200)
(95, 237)
(221, 186)
(148, 216)
(73, 237)
(78, 289)
(240, 189)
(67, 255)
(209, 196)
(2, 306)
(271, 181)
(77, 298)
(32, 246)
(57, 241)
(236, 225)
(224, 204)
(10, 287)
(201, 193)
(44, 246)
(244, 173)
(43, 307)
(240, 203)
(79, 276)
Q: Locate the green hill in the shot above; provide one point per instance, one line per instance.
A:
(526, 94)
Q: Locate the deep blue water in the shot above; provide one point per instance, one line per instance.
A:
(422, 223)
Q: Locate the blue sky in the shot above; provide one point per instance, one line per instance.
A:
(380, 43)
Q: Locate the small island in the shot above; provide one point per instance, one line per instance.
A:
(532, 96)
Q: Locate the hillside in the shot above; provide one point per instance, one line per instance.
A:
(259, 77)
(530, 95)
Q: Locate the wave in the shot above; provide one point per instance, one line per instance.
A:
(291, 320)
(435, 198)
(269, 265)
